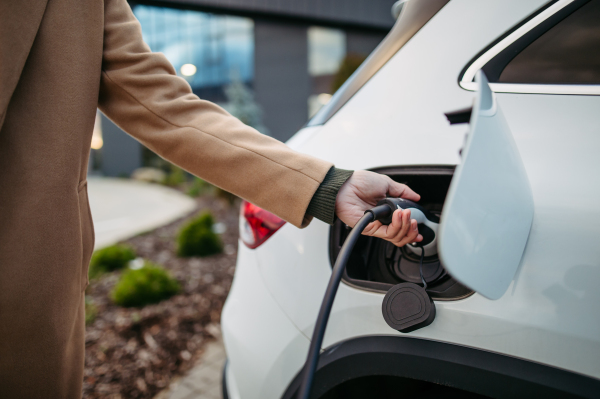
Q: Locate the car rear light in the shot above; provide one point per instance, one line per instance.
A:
(257, 225)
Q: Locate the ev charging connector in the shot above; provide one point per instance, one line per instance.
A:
(406, 307)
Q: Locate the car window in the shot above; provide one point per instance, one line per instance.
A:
(568, 53)
(412, 19)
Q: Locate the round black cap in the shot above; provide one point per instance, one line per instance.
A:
(407, 307)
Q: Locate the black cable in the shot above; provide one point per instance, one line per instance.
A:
(334, 282)
(391, 262)
(421, 268)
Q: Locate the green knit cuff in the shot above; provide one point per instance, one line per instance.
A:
(322, 204)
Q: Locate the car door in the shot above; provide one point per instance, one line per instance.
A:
(488, 211)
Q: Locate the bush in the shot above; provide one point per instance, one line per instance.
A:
(91, 311)
(197, 238)
(110, 258)
(226, 195)
(175, 177)
(198, 187)
(150, 284)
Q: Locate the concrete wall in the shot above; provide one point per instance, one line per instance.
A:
(281, 80)
(121, 153)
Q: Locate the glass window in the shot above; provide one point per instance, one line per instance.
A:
(568, 53)
(207, 50)
(326, 51)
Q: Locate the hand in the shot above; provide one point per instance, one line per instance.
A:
(362, 191)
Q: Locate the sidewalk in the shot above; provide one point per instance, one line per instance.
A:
(123, 208)
(204, 380)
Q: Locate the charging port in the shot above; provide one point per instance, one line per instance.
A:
(377, 265)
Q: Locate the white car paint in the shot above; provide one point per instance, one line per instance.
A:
(265, 357)
(550, 312)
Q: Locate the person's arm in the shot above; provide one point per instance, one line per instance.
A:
(140, 92)
(322, 203)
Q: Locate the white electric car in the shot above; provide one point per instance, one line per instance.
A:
(490, 109)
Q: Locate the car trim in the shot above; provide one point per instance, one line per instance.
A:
(586, 90)
(556, 9)
(461, 367)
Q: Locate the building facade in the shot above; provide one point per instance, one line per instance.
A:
(277, 58)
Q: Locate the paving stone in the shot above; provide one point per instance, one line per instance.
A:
(198, 384)
(215, 392)
(204, 380)
(197, 372)
(214, 351)
(182, 391)
(213, 377)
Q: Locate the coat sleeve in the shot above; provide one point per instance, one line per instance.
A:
(141, 93)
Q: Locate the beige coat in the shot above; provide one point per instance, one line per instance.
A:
(59, 60)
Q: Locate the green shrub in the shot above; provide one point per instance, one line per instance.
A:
(110, 258)
(226, 195)
(150, 284)
(175, 176)
(198, 187)
(91, 311)
(196, 238)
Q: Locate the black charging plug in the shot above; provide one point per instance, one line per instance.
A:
(406, 307)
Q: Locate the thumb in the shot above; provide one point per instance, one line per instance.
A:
(403, 191)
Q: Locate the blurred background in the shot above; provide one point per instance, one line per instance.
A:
(272, 64)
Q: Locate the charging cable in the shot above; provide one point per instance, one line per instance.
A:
(401, 300)
(377, 213)
(421, 268)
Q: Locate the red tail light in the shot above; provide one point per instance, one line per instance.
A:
(257, 225)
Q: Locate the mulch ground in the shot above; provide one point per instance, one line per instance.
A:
(134, 352)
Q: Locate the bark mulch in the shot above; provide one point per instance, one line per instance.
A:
(134, 352)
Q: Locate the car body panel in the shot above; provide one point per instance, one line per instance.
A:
(397, 118)
(294, 262)
(549, 313)
(264, 348)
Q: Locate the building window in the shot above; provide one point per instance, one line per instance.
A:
(207, 50)
(326, 51)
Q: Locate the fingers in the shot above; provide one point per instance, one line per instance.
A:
(398, 228)
(412, 236)
(372, 228)
(400, 232)
(396, 189)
